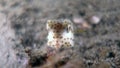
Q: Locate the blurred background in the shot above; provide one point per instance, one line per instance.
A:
(23, 33)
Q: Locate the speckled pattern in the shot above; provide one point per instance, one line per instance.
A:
(60, 33)
(97, 47)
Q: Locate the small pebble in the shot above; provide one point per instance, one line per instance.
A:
(78, 20)
(86, 25)
(95, 19)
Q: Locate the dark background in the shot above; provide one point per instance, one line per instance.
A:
(98, 47)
